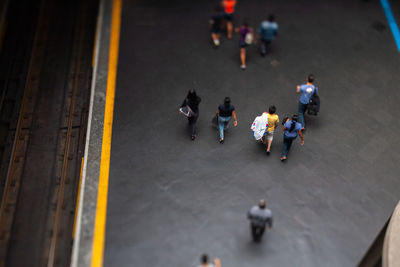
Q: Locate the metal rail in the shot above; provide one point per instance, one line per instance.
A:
(81, 25)
(13, 181)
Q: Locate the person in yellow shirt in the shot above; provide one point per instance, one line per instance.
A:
(273, 121)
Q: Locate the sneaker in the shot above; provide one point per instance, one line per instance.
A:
(243, 67)
(221, 140)
(268, 153)
(216, 42)
(193, 137)
(283, 158)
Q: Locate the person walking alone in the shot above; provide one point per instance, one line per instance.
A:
(205, 261)
(268, 31)
(225, 112)
(246, 37)
(291, 129)
(229, 9)
(259, 216)
(215, 23)
(192, 100)
(306, 90)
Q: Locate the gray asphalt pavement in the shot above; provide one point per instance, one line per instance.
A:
(172, 199)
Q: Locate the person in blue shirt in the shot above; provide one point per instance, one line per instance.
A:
(268, 31)
(291, 129)
(306, 90)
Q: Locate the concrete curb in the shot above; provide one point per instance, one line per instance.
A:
(391, 245)
(83, 242)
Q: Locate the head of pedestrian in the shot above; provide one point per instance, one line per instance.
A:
(310, 78)
(192, 95)
(204, 259)
(294, 120)
(245, 24)
(271, 18)
(272, 110)
(261, 204)
(227, 101)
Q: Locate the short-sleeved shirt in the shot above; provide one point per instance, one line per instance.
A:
(243, 31)
(260, 216)
(295, 132)
(306, 90)
(268, 30)
(229, 6)
(216, 22)
(225, 111)
(273, 121)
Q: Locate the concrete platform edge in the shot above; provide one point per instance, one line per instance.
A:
(83, 242)
(391, 247)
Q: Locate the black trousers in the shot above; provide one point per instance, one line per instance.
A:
(265, 46)
(192, 124)
(257, 232)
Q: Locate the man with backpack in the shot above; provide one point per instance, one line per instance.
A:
(307, 91)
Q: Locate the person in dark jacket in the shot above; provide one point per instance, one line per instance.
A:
(259, 216)
(192, 100)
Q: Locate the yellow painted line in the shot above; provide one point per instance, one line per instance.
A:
(77, 200)
(101, 207)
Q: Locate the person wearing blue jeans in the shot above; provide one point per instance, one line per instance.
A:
(306, 90)
(225, 112)
(291, 129)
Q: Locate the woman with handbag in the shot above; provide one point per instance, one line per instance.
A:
(191, 104)
(246, 39)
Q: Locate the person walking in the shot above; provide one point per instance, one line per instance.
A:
(291, 129)
(259, 216)
(215, 23)
(246, 37)
(268, 31)
(205, 262)
(225, 112)
(306, 90)
(273, 121)
(229, 9)
(192, 100)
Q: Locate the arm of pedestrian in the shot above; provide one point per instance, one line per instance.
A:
(217, 262)
(217, 113)
(298, 89)
(235, 118)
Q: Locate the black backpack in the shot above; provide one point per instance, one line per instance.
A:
(314, 104)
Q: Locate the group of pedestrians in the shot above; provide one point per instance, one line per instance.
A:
(223, 18)
(265, 125)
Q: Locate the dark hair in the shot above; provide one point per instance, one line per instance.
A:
(294, 120)
(227, 101)
(204, 259)
(245, 23)
(271, 109)
(310, 78)
(271, 18)
(192, 96)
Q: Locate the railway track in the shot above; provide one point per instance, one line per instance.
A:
(43, 173)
